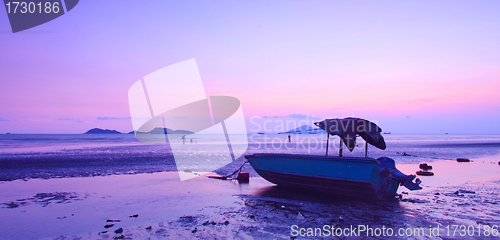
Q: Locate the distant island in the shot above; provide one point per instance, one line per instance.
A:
(304, 129)
(157, 130)
(160, 130)
(101, 131)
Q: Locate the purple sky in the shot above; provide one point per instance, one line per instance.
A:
(414, 67)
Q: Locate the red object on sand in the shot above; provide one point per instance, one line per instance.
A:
(243, 177)
(425, 173)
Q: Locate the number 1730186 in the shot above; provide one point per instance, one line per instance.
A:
(32, 7)
(469, 230)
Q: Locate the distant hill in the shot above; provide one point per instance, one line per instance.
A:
(101, 131)
(160, 130)
(182, 132)
(157, 130)
(305, 129)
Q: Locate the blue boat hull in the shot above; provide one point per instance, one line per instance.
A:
(348, 176)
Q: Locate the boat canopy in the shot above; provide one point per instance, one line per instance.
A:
(348, 128)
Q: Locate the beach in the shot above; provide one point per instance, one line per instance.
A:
(127, 202)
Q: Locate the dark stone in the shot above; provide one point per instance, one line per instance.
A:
(425, 173)
(119, 230)
(425, 166)
(134, 216)
(108, 225)
(12, 205)
(463, 160)
(110, 220)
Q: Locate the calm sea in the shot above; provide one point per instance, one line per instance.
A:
(71, 155)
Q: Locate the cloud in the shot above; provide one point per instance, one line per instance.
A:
(113, 118)
(293, 115)
(302, 116)
(484, 70)
(70, 119)
(216, 82)
(4, 120)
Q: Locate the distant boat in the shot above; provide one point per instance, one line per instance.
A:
(387, 133)
(349, 176)
(261, 133)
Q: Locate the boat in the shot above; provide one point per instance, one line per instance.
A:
(348, 176)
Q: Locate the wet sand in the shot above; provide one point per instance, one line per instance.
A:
(68, 208)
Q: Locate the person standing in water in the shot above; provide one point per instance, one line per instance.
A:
(289, 138)
(184, 139)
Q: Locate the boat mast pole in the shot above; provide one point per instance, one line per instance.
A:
(327, 142)
(340, 149)
(366, 149)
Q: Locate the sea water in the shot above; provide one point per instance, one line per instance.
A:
(70, 155)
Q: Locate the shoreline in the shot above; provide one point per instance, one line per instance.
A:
(209, 208)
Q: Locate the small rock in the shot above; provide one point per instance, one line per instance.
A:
(425, 173)
(134, 216)
(464, 191)
(109, 220)
(404, 193)
(415, 200)
(195, 230)
(425, 166)
(11, 205)
(463, 160)
(149, 228)
(437, 193)
(108, 225)
(119, 230)
(252, 216)
(206, 223)
(226, 222)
